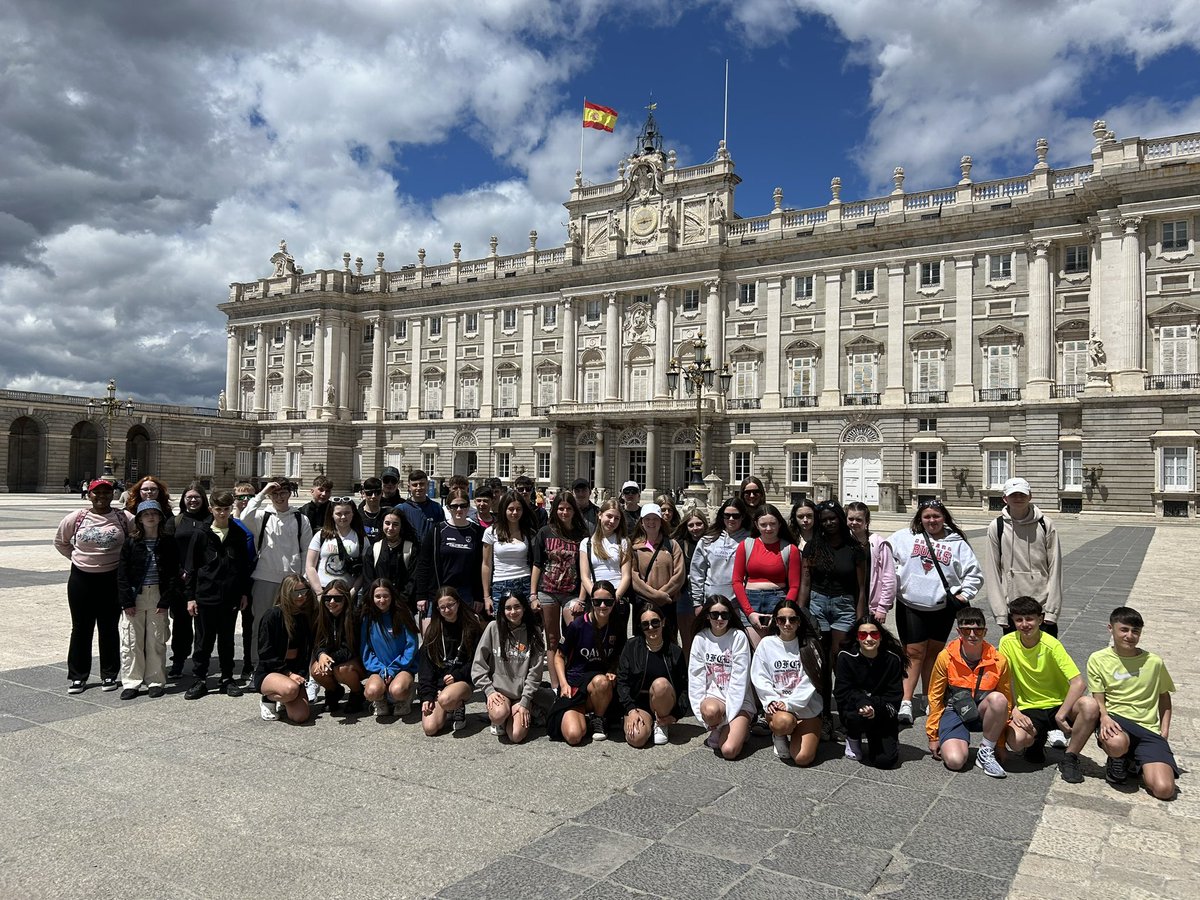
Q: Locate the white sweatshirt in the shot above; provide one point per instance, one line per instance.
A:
(280, 552)
(778, 674)
(917, 582)
(719, 667)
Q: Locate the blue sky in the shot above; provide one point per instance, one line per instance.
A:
(152, 153)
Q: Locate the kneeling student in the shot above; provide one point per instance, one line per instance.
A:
(970, 690)
(1049, 693)
(1133, 689)
(586, 664)
(508, 666)
(651, 680)
(719, 676)
(389, 651)
(870, 683)
(446, 657)
(787, 675)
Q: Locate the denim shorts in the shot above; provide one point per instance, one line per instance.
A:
(761, 601)
(832, 613)
(516, 586)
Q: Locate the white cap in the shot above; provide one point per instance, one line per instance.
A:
(651, 509)
(631, 484)
(1017, 486)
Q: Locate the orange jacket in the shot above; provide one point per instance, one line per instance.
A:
(951, 671)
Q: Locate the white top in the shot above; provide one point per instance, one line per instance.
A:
(778, 674)
(719, 667)
(331, 565)
(510, 559)
(279, 551)
(608, 569)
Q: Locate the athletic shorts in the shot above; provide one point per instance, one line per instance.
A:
(1144, 745)
(952, 728)
(919, 625)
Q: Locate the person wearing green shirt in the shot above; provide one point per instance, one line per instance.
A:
(1048, 690)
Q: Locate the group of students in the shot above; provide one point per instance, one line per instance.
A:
(751, 621)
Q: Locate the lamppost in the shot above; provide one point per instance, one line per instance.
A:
(698, 375)
(111, 407)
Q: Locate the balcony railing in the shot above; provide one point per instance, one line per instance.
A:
(860, 399)
(1186, 382)
(431, 414)
(1060, 391)
(466, 413)
(800, 401)
(396, 415)
(296, 414)
(541, 410)
(505, 412)
(744, 403)
(999, 395)
(926, 396)
(358, 416)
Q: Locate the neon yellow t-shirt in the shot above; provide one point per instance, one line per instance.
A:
(1131, 684)
(1041, 674)
(222, 533)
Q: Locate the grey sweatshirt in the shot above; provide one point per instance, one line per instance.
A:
(712, 566)
(515, 671)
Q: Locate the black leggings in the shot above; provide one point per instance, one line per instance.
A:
(880, 732)
(92, 598)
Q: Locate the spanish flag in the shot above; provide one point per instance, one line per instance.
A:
(601, 117)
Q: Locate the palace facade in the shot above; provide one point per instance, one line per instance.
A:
(916, 344)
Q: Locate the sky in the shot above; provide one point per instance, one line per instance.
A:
(151, 153)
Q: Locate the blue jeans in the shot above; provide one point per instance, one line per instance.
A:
(761, 601)
(519, 587)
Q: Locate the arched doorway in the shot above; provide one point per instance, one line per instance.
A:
(84, 459)
(26, 452)
(139, 454)
(861, 466)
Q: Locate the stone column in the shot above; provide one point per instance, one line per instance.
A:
(652, 476)
(831, 392)
(288, 401)
(662, 341)
(893, 394)
(1129, 360)
(344, 400)
(964, 330)
(233, 367)
(417, 379)
(555, 461)
(612, 349)
(450, 394)
(569, 362)
(525, 400)
(713, 327)
(771, 359)
(378, 367)
(319, 372)
(601, 463)
(260, 368)
(488, 378)
(1040, 333)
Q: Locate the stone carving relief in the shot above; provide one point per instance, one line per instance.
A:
(283, 262)
(861, 433)
(694, 228)
(466, 439)
(597, 236)
(639, 327)
(632, 437)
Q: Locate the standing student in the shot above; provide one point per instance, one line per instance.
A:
(631, 505)
(658, 570)
(148, 487)
(446, 657)
(336, 663)
(393, 555)
(389, 651)
(508, 667)
(189, 529)
(970, 690)
(711, 572)
(421, 511)
(148, 581)
(869, 684)
(523, 488)
(285, 639)
(371, 510)
(508, 552)
(1023, 559)
(936, 573)
(588, 511)
(337, 551)
(390, 479)
(282, 536)
(802, 521)
(719, 677)
(766, 570)
(1133, 689)
(91, 538)
(607, 556)
(689, 533)
(587, 668)
(481, 513)
(451, 556)
(881, 579)
(316, 510)
(219, 589)
(243, 493)
(651, 680)
(754, 494)
(554, 581)
(787, 675)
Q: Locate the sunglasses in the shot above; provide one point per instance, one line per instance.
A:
(604, 601)
(341, 499)
(524, 490)
(732, 515)
(868, 635)
(335, 598)
(751, 491)
(786, 620)
(934, 504)
(972, 629)
(372, 493)
(652, 624)
(301, 592)
(460, 505)
(631, 491)
(243, 498)
(718, 616)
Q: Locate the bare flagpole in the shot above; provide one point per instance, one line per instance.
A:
(581, 131)
(725, 128)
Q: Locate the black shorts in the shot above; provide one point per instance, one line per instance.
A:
(1043, 722)
(1144, 745)
(916, 626)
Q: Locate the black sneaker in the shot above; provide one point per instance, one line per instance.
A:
(1070, 770)
(196, 691)
(1116, 770)
(354, 703)
(1035, 752)
(157, 691)
(230, 688)
(596, 727)
(109, 684)
(129, 693)
(333, 699)
(458, 718)
(174, 674)
(76, 686)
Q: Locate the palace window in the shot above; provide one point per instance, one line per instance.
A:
(1077, 259)
(864, 281)
(798, 467)
(549, 315)
(1175, 235)
(691, 300)
(435, 326)
(747, 294)
(931, 274)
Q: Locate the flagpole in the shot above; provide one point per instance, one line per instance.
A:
(725, 127)
(581, 131)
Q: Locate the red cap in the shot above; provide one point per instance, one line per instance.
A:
(99, 481)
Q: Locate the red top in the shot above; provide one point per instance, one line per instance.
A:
(765, 564)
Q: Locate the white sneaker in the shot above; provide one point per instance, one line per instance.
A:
(854, 749)
(266, 709)
(494, 730)
(985, 759)
(782, 750)
(905, 715)
(311, 688)
(403, 708)
(660, 735)
(381, 708)
(1055, 738)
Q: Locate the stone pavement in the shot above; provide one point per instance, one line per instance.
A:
(151, 797)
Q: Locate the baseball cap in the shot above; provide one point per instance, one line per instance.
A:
(580, 484)
(149, 506)
(99, 482)
(651, 509)
(630, 486)
(1016, 486)
(389, 472)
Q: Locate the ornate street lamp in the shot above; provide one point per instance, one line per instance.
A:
(111, 407)
(698, 375)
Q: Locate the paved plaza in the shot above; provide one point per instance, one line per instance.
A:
(157, 798)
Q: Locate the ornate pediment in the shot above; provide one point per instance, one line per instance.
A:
(1001, 335)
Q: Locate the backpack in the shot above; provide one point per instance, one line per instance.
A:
(785, 552)
(121, 520)
(299, 531)
(1000, 536)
